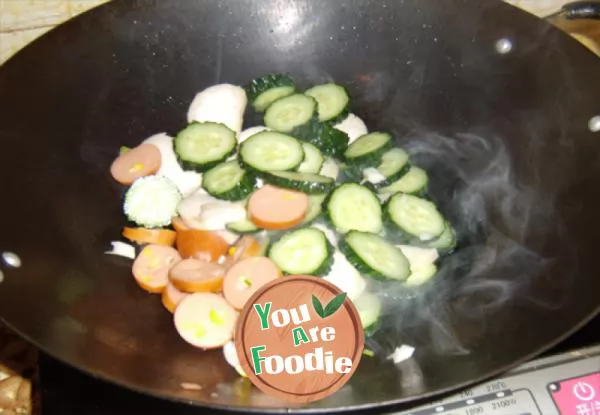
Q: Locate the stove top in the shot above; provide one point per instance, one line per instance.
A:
(557, 379)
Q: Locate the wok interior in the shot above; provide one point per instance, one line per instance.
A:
(494, 132)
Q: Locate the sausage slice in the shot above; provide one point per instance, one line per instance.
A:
(151, 267)
(171, 296)
(245, 277)
(274, 208)
(205, 320)
(195, 275)
(140, 161)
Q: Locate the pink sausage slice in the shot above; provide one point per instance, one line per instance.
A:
(274, 208)
(152, 265)
(194, 275)
(205, 320)
(245, 277)
(140, 161)
(171, 296)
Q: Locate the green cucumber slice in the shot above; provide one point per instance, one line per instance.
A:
(415, 182)
(369, 307)
(308, 183)
(394, 164)
(375, 257)
(354, 207)
(333, 101)
(201, 146)
(304, 251)
(228, 181)
(421, 275)
(313, 159)
(415, 217)
(271, 151)
(446, 241)
(288, 113)
(152, 201)
(367, 150)
(243, 227)
(315, 208)
(265, 90)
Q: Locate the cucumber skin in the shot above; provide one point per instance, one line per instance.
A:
(245, 187)
(358, 263)
(319, 272)
(330, 141)
(311, 188)
(201, 168)
(372, 159)
(247, 232)
(371, 329)
(259, 85)
(393, 178)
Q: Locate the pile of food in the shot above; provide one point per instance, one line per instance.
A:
(219, 210)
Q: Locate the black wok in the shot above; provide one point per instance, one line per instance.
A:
(517, 91)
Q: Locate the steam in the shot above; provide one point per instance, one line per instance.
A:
(473, 182)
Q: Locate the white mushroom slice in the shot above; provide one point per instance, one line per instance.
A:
(419, 257)
(231, 356)
(190, 209)
(249, 132)
(329, 234)
(344, 276)
(187, 182)
(353, 126)
(330, 168)
(122, 249)
(373, 175)
(222, 103)
(401, 354)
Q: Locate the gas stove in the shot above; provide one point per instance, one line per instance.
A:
(565, 380)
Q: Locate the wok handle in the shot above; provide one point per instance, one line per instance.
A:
(581, 10)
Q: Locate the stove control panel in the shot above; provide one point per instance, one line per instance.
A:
(567, 384)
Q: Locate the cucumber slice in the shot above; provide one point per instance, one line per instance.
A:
(421, 275)
(271, 151)
(228, 181)
(152, 201)
(201, 146)
(308, 183)
(332, 142)
(415, 217)
(354, 207)
(369, 310)
(288, 113)
(304, 251)
(446, 241)
(367, 150)
(313, 159)
(375, 257)
(315, 208)
(413, 182)
(394, 164)
(265, 90)
(243, 227)
(332, 101)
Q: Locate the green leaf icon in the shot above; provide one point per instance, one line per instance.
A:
(318, 306)
(334, 304)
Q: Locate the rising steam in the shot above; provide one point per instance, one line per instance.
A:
(473, 182)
